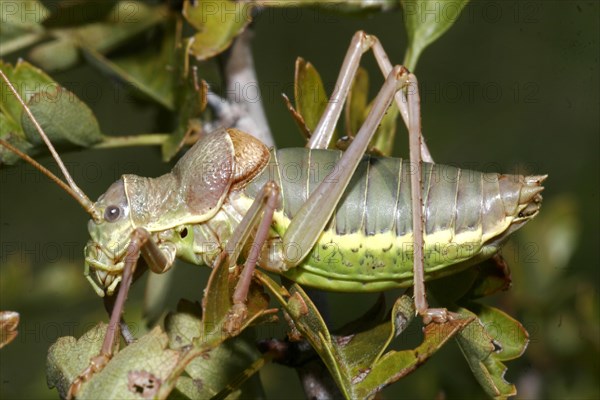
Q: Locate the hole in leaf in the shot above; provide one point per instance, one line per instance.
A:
(143, 383)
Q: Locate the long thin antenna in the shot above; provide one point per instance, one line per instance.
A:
(72, 189)
(40, 168)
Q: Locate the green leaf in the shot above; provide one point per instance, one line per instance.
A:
(357, 109)
(218, 23)
(367, 346)
(210, 373)
(68, 357)
(137, 370)
(184, 325)
(426, 21)
(56, 55)
(63, 117)
(11, 132)
(19, 31)
(190, 101)
(124, 23)
(297, 117)
(309, 93)
(309, 322)
(491, 338)
(105, 32)
(147, 71)
(145, 366)
(356, 104)
(383, 141)
(70, 13)
(197, 337)
(61, 114)
(394, 365)
(357, 360)
(217, 300)
(27, 80)
(217, 303)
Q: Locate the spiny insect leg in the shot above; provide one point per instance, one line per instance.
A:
(141, 243)
(259, 216)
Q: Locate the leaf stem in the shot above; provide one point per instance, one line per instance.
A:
(20, 42)
(149, 139)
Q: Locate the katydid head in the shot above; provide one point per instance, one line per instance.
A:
(191, 193)
(109, 239)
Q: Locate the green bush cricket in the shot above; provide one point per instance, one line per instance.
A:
(343, 222)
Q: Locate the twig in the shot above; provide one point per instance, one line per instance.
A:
(239, 75)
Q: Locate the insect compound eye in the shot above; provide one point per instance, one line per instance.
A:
(112, 213)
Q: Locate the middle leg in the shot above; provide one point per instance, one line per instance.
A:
(258, 218)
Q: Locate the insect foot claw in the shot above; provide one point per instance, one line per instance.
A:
(236, 316)
(437, 315)
(97, 364)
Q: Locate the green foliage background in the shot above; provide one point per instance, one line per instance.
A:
(511, 86)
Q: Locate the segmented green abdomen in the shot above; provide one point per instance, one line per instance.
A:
(368, 243)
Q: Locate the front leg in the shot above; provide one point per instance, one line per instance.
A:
(140, 243)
